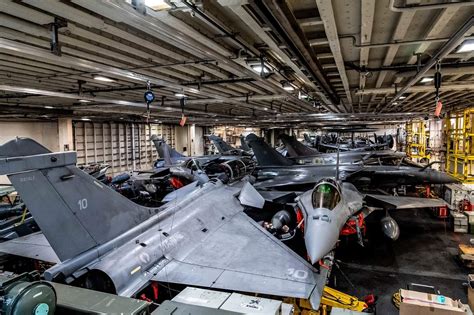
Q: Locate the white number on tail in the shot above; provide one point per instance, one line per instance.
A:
(82, 204)
(297, 274)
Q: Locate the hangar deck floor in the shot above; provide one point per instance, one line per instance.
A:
(425, 253)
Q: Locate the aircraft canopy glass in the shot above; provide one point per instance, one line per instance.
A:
(325, 195)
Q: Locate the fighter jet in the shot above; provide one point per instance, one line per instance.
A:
(331, 203)
(233, 166)
(275, 171)
(333, 143)
(104, 241)
(303, 154)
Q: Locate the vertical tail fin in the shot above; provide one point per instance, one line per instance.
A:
(220, 144)
(307, 138)
(296, 148)
(243, 144)
(74, 210)
(265, 154)
(165, 152)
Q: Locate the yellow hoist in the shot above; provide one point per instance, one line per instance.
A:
(331, 298)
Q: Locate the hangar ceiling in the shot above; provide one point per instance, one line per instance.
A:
(363, 61)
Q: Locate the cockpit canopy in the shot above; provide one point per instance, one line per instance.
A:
(326, 194)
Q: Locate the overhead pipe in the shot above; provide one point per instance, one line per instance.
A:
(160, 19)
(454, 41)
(416, 89)
(14, 46)
(97, 99)
(445, 65)
(397, 43)
(250, 22)
(413, 8)
(140, 87)
(298, 50)
(446, 71)
(204, 16)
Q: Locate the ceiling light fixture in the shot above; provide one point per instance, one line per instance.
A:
(157, 5)
(287, 86)
(84, 101)
(258, 69)
(302, 95)
(103, 79)
(426, 80)
(49, 107)
(402, 97)
(179, 95)
(85, 119)
(466, 46)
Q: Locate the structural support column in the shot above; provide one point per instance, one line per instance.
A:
(65, 134)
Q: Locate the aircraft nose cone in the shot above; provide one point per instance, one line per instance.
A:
(320, 238)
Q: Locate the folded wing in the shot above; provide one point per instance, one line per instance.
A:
(241, 256)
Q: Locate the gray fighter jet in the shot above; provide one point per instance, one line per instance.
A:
(275, 171)
(331, 203)
(112, 244)
(333, 142)
(303, 154)
(234, 167)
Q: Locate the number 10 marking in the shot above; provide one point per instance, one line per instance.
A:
(82, 204)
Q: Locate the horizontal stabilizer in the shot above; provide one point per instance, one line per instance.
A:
(34, 246)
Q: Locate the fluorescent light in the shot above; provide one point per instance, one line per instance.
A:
(265, 108)
(157, 5)
(179, 95)
(85, 119)
(466, 46)
(301, 95)
(402, 97)
(287, 86)
(426, 79)
(84, 101)
(102, 78)
(395, 103)
(258, 69)
(49, 107)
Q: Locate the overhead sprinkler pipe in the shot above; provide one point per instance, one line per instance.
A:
(413, 8)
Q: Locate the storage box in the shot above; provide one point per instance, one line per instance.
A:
(419, 303)
(251, 305)
(201, 297)
(238, 303)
